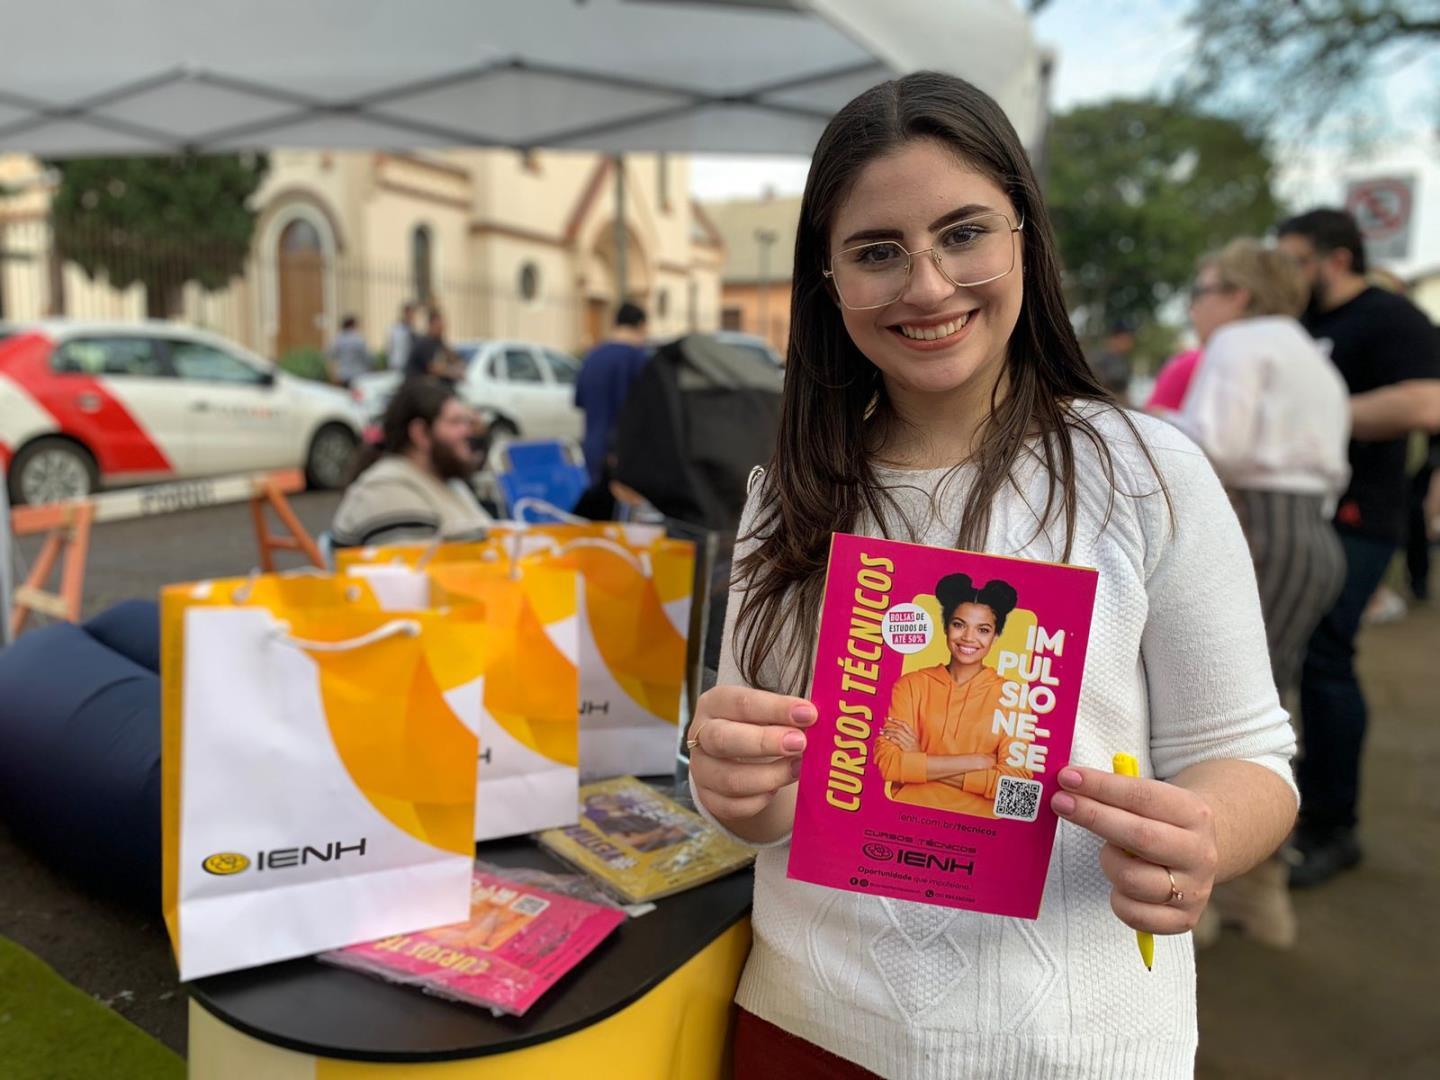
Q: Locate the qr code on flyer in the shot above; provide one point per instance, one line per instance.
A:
(529, 905)
(1018, 799)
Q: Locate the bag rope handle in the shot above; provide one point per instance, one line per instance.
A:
(640, 561)
(531, 502)
(394, 628)
(425, 556)
(519, 537)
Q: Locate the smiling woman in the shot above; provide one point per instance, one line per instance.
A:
(935, 392)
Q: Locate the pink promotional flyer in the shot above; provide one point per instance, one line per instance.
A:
(947, 685)
(518, 943)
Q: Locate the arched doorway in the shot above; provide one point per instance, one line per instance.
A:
(300, 270)
(602, 297)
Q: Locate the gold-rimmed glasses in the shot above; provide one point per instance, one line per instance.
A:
(971, 252)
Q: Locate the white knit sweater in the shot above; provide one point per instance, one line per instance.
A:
(1178, 663)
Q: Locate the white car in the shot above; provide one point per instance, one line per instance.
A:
(85, 405)
(524, 390)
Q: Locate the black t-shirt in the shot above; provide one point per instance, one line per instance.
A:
(1377, 339)
(422, 355)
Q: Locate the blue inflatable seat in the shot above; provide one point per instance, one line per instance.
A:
(132, 629)
(80, 749)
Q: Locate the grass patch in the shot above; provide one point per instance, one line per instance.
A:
(49, 1030)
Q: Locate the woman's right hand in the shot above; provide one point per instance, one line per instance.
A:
(745, 748)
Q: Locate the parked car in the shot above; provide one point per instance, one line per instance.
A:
(523, 389)
(86, 405)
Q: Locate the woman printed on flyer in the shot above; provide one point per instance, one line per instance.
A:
(935, 393)
(939, 747)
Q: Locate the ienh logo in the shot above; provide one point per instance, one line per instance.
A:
(230, 862)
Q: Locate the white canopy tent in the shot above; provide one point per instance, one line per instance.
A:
(81, 78)
(764, 76)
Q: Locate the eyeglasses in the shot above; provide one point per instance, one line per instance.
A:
(972, 252)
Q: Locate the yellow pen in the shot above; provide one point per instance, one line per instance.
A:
(1125, 765)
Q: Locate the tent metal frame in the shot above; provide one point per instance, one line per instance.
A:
(89, 110)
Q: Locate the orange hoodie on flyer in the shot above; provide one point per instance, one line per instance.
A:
(948, 720)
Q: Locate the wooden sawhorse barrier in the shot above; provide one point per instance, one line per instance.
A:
(69, 524)
(270, 491)
(69, 527)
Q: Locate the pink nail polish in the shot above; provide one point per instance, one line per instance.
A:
(793, 741)
(1071, 778)
(1063, 804)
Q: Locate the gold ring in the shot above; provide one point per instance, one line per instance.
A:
(1176, 896)
(693, 742)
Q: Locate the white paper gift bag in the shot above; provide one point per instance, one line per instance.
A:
(634, 618)
(318, 790)
(517, 690)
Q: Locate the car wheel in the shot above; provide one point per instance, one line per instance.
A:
(328, 462)
(52, 470)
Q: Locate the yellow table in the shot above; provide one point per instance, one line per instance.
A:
(652, 1002)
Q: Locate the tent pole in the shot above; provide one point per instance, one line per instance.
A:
(620, 233)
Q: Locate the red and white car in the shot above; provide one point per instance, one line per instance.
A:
(85, 405)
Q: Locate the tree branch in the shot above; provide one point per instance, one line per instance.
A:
(1279, 60)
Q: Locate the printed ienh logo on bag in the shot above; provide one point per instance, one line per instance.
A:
(225, 863)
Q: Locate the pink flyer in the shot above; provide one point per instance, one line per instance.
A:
(518, 943)
(947, 685)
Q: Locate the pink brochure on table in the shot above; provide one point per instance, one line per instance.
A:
(947, 684)
(518, 943)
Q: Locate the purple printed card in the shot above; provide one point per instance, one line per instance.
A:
(947, 684)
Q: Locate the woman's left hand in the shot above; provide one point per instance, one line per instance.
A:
(1148, 827)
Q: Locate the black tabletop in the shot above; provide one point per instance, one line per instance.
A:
(318, 1009)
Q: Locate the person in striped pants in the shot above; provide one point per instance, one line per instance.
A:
(1272, 413)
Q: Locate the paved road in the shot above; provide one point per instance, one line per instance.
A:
(136, 557)
(1355, 999)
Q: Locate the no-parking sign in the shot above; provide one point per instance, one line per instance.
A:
(1384, 207)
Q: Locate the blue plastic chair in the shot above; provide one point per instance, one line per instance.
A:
(550, 470)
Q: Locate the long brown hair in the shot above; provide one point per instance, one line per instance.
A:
(821, 478)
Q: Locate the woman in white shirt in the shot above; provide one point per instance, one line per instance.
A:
(936, 393)
(1272, 413)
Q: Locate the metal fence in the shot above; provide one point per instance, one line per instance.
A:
(279, 303)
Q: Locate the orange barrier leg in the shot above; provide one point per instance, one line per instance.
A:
(69, 527)
(294, 538)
